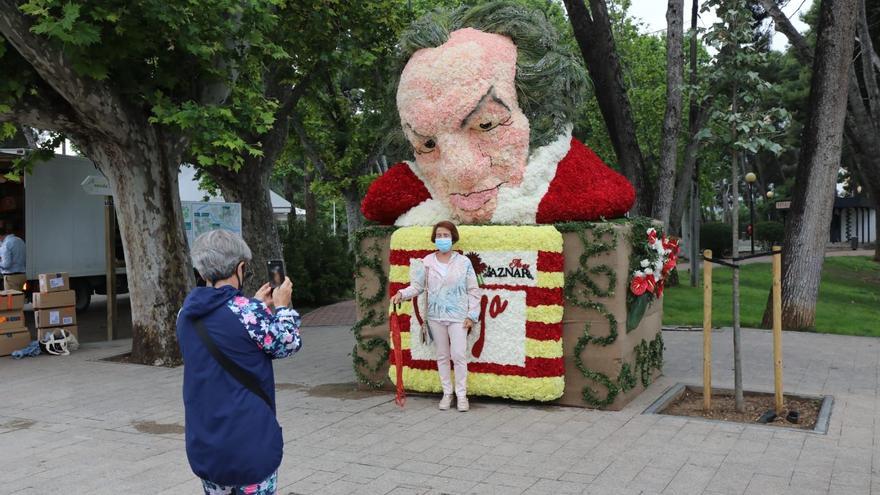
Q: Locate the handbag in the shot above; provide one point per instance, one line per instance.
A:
(425, 335)
(245, 378)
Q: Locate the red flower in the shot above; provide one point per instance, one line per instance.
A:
(671, 244)
(642, 284)
(669, 265)
(652, 237)
(393, 194)
(659, 289)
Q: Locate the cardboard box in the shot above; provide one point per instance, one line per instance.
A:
(11, 300)
(54, 282)
(44, 300)
(56, 317)
(10, 320)
(13, 340)
(57, 331)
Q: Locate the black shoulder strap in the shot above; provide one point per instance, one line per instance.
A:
(248, 380)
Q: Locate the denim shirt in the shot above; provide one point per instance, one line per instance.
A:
(12, 255)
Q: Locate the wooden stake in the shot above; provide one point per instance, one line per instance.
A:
(777, 326)
(707, 330)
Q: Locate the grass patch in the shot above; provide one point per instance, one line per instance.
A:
(849, 297)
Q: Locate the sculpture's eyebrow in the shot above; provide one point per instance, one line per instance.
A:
(490, 95)
(417, 133)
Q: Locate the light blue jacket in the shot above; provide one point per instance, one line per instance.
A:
(12, 255)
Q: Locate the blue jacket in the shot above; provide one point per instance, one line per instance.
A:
(232, 436)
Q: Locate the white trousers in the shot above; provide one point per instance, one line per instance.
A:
(451, 341)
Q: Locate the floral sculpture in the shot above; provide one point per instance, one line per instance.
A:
(485, 101)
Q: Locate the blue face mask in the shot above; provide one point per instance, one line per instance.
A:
(444, 244)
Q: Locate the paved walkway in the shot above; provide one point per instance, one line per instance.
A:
(78, 425)
(340, 314)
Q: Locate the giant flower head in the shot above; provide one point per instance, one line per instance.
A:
(485, 99)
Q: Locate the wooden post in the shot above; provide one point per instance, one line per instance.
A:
(707, 330)
(777, 326)
(110, 256)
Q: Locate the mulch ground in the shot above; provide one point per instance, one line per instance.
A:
(756, 404)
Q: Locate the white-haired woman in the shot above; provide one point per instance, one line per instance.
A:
(228, 342)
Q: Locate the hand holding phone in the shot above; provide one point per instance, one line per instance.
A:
(277, 274)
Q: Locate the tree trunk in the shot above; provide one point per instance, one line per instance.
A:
(354, 217)
(143, 178)
(592, 30)
(309, 202)
(250, 187)
(672, 118)
(808, 221)
(862, 126)
(734, 249)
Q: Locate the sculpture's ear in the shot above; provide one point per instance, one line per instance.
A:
(393, 194)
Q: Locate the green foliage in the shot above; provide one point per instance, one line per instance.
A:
(770, 232)
(319, 264)
(717, 237)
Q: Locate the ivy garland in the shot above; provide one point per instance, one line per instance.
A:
(367, 258)
(583, 277)
(649, 357)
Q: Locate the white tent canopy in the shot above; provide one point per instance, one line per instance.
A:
(189, 189)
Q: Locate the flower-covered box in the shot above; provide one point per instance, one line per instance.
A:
(556, 301)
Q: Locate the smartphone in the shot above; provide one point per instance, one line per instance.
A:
(276, 272)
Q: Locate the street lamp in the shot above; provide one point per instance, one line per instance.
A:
(770, 201)
(750, 180)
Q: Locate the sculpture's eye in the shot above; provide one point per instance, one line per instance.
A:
(488, 126)
(426, 146)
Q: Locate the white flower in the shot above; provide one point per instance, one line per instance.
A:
(645, 263)
(638, 274)
(657, 276)
(658, 266)
(648, 271)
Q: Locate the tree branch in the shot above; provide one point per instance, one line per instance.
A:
(869, 75)
(44, 111)
(308, 147)
(94, 104)
(801, 49)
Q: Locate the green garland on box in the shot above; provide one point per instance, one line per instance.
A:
(580, 287)
(367, 258)
(649, 357)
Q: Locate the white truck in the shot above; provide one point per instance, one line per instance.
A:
(63, 226)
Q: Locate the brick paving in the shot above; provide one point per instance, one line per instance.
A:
(77, 425)
(340, 314)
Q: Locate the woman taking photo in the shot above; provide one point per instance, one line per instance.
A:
(453, 308)
(228, 342)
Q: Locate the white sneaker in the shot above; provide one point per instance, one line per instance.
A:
(445, 402)
(463, 405)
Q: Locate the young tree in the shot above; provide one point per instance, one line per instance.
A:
(123, 80)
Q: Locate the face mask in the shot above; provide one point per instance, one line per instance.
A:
(443, 244)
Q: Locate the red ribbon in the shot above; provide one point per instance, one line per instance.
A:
(400, 397)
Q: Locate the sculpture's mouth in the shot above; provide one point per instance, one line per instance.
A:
(475, 200)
